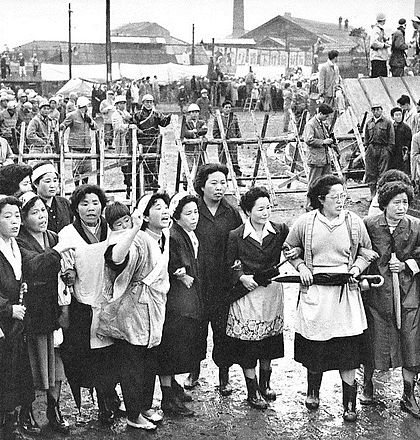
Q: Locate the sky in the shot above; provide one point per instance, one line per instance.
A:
(23, 21)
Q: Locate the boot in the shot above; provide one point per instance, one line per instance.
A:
(312, 396)
(266, 391)
(55, 420)
(408, 401)
(192, 380)
(27, 421)
(172, 404)
(367, 395)
(10, 427)
(225, 388)
(349, 401)
(255, 398)
(183, 396)
(106, 414)
(117, 406)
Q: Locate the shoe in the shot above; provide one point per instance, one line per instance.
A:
(185, 397)
(225, 388)
(55, 420)
(27, 421)
(408, 401)
(312, 396)
(366, 397)
(10, 426)
(117, 406)
(153, 415)
(349, 401)
(255, 399)
(265, 389)
(172, 404)
(192, 380)
(141, 423)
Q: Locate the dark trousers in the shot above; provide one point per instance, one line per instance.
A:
(377, 161)
(233, 151)
(397, 71)
(138, 374)
(314, 174)
(378, 68)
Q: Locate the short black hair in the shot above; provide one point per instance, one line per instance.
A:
(115, 211)
(403, 99)
(25, 209)
(187, 199)
(251, 196)
(79, 194)
(227, 102)
(321, 187)
(395, 110)
(153, 199)
(9, 200)
(203, 173)
(394, 176)
(299, 84)
(391, 189)
(333, 54)
(325, 109)
(10, 177)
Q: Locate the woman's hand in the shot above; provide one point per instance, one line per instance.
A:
(18, 312)
(292, 253)
(306, 277)
(355, 272)
(187, 280)
(137, 218)
(248, 282)
(69, 277)
(395, 265)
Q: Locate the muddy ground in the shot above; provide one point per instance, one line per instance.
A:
(230, 417)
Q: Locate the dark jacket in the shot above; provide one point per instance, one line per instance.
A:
(149, 121)
(181, 300)
(212, 233)
(380, 132)
(402, 148)
(59, 214)
(40, 271)
(255, 258)
(188, 129)
(389, 343)
(398, 49)
(231, 126)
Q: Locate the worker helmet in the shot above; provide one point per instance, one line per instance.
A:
(193, 108)
(147, 97)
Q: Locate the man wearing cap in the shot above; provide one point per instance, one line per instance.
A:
(107, 108)
(80, 141)
(8, 122)
(205, 105)
(24, 115)
(39, 134)
(121, 119)
(317, 138)
(194, 128)
(415, 41)
(148, 121)
(398, 59)
(3, 101)
(379, 48)
(379, 143)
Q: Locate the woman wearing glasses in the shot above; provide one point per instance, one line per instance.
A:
(330, 320)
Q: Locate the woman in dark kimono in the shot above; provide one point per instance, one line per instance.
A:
(394, 337)
(181, 347)
(41, 266)
(255, 320)
(16, 385)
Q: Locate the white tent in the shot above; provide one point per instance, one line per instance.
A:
(166, 73)
(81, 86)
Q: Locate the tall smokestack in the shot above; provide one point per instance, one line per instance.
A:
(417, 7)
(238, 18)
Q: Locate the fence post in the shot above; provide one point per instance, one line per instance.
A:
(21, 142)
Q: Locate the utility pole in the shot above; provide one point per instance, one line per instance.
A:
(193, 47)
(70, 49)
(108, 44)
